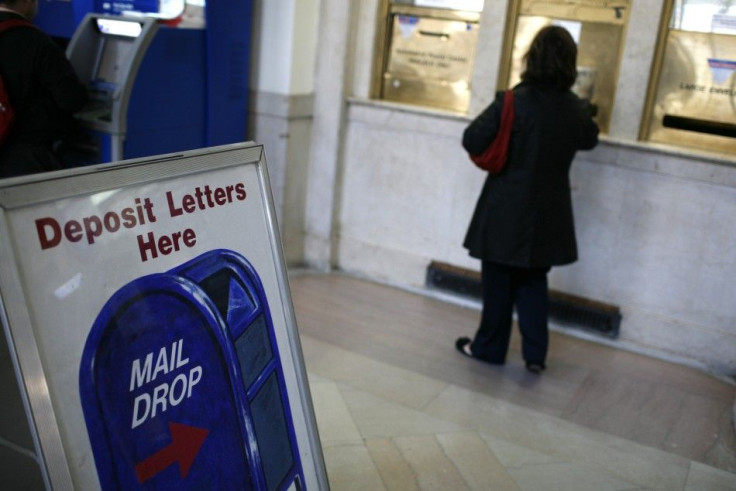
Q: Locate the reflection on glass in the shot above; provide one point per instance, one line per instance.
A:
(113, 58)
(469, 5)
(597, 26)
(716, 16)
(430, 62)
(695, 104)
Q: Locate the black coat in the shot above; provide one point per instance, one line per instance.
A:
(524, 214)
(41, 84)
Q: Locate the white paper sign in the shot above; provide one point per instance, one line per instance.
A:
(470, 5)
(153, 224)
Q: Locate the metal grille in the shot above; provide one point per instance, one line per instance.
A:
(570, 310)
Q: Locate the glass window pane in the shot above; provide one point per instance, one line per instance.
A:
(716, 16)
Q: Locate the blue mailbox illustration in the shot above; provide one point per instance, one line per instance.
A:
(182, 385)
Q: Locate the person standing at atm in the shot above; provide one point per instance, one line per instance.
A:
(523, 221)
(43, 90)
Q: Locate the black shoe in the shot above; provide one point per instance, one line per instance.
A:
(535, 367)
(460, 345)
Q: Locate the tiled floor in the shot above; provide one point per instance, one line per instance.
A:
(383, 427)
(399, 409)
(387, 420)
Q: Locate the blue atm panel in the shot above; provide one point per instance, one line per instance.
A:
(228, 59)
(147, 86)
(182, 385)
(120, 7)
(167, 107)
(60, 18)
(187, 89)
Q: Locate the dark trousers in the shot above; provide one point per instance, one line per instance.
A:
(503, 288)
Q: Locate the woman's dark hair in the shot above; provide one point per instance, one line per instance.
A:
(551, 59)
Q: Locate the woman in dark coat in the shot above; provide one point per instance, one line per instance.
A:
(523, 222)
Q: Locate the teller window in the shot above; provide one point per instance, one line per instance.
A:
(426, 52)
(691, 99)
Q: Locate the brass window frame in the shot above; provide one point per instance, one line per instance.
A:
(655, 70)
(386, 11)
(707, 130)
(511, 24)
(507, 45)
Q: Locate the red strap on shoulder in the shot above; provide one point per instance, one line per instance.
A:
(507, 115)
(10, 23)
(493, 159)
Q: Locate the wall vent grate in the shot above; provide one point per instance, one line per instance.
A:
(569, 310)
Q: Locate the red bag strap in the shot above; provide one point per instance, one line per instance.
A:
(507, 112)
(10, 23)
(493, 159)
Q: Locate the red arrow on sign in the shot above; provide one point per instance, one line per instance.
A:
(185, 444)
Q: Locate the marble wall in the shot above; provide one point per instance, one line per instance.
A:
(283, 124)
(656, 238)
(281, 106)
(387, 188)
(653, 228)
(408, 191)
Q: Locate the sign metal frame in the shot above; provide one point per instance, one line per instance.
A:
(16, 316)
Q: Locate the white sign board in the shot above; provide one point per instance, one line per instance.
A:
(149, 314)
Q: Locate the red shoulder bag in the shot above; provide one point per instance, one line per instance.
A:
(493, 159)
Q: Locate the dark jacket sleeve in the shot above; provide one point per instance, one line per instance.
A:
(481, 132)
(58, 78)
(588, 137)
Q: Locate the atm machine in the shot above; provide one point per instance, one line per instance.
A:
(146, 83)
(164, 76)
(60, 18)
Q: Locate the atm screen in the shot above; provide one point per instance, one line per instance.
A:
(113, 59)
(119, 27)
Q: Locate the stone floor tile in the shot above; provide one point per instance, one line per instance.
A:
(513, 455)
(568, 476)
(706, 478)
(385, 358)
(432, 468)
(632, 462)
(350, 468)
(335, 425)
(480, 468)
(313, 378)
(381, 379)
(376, 417)
(396, 472)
